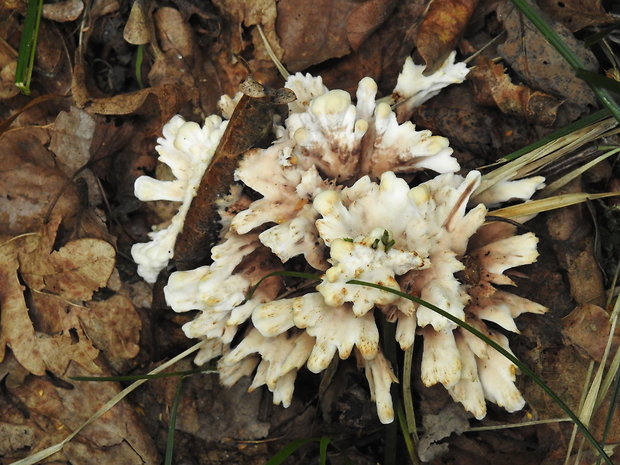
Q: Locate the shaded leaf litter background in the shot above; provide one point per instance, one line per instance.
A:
(72, 304)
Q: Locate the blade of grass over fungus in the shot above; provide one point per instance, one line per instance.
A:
(172, 422)
(284, 273)
(571, 58)
(28, 46)
(584, 430)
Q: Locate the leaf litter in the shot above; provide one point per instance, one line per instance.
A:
(71, 303)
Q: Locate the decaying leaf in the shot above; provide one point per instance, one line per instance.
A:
(493, 87)
(575, 251)
(587, 328)
(247, 14)
(440, 29)
(55, 327)
(577, 14)
(30, 181)
(538, 63)
(313, 32)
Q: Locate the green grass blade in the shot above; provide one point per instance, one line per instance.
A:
(28, 46)
(599, 80)
(323, 443)
(527, 371)
(172, 422)
(288, 450)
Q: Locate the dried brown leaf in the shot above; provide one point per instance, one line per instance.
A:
(493, 87)
(174, 33)
(536, 61)
(440, 29)
(168, 98)
(313, 32)
(29, 181)
(246, 14)
(117, 437)
(365, 19)
(587, 328)
(113, 325)
(577, 14)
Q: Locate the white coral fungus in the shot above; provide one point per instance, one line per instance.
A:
(329, 194)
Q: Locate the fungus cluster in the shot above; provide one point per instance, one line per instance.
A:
(330, 193)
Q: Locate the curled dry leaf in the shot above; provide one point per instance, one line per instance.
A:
(246, 14)
(493, 87)
(440, 29)
(168, 98)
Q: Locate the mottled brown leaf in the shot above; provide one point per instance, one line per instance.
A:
(577, 14)
(365, 19)
(538, 63)
(313, 32)
(493, 87)
(440, 29)
(113, 325)
(29, 181)
(73, 272)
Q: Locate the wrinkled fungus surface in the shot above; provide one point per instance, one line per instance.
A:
(330, 192)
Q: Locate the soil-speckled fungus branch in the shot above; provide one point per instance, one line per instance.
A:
(330, 194)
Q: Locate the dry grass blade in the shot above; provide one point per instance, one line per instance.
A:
(550, 203)
(533, 161)
(554, 186)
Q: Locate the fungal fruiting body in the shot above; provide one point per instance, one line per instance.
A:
(330, 192)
